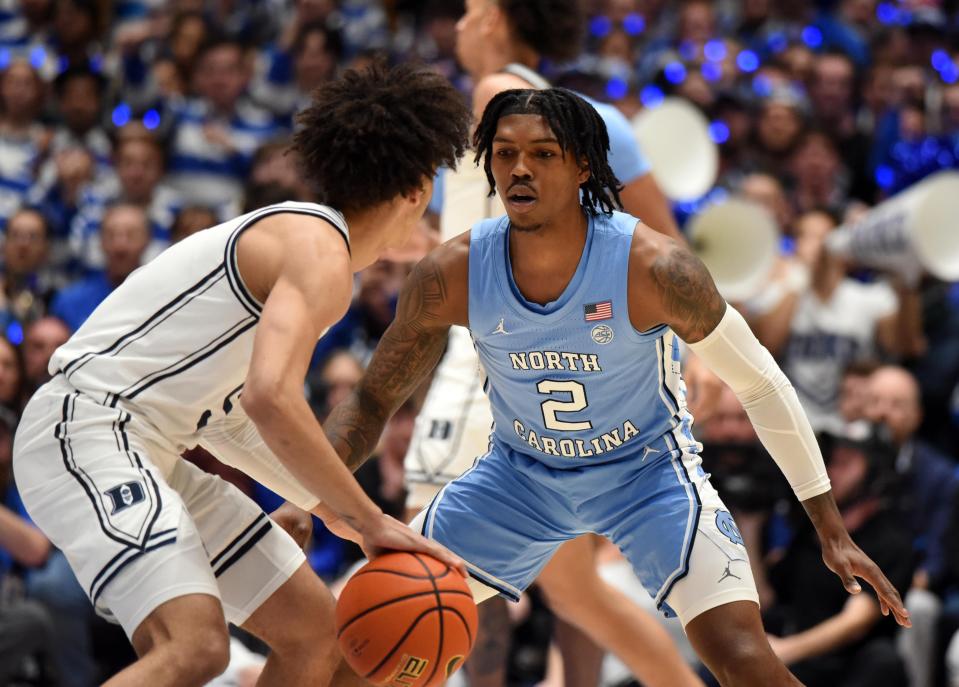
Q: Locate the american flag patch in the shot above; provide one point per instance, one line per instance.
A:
(598, 311)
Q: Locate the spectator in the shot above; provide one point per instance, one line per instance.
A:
(825, 321)
(11, 376)
(929, 482)
(28, 283)
(23, 140)
(40, 340)
(827, 637)
(124, 236)
(79, 90)
(190, 220)
(216, 134)
(821, 180)
(335, 380)
(290, 75)
(139, 181)
(26, 630)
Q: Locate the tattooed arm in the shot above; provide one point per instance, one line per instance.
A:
(685, 298)
(433, 298)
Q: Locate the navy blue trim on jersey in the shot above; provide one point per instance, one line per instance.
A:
(253, 306)
(210, 348)
(683, 570)
(135, 555)
(156, 319)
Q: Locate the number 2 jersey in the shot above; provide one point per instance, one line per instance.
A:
(172, 343)
(572, 383)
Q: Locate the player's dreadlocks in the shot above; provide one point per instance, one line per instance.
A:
(578, 128)
(374, 134)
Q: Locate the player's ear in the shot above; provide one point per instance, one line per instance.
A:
(584, 171)
(493, 19)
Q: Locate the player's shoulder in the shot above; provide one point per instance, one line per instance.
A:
(651, 248)
(453, 255)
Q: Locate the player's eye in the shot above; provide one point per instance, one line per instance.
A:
(503, 152)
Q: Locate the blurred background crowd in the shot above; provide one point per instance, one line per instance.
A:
(128, 125)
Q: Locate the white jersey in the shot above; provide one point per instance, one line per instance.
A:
(825, 337)
(172, 344)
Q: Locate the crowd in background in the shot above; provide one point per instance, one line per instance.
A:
(127, 126)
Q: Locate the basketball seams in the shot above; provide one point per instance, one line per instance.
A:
(403, 574)
(402, 639)
(390, 602)
(439, 607)
(466, 625)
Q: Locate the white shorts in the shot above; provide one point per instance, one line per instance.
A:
(134, 536)
(453, 428)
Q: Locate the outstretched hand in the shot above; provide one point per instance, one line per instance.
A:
(843, 557)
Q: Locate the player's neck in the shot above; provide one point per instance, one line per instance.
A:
(367, 233)
(544, 260)
(507, 53)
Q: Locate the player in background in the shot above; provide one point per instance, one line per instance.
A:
(209, 344)
(576, 312)
(501, 43)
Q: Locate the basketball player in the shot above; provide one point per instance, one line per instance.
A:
(576, 312)
(209, 344)
(500, 42)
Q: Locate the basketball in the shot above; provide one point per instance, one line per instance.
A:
(405, 619)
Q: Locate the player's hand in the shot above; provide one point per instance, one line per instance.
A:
(389, 534)
(297, 523)
(847, 560)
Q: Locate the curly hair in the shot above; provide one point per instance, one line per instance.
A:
(578, 128)
(553, 28)
(374, 134)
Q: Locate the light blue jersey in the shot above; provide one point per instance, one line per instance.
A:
(591, 431)
(571, 383)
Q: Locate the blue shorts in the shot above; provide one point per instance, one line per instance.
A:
(508, 514)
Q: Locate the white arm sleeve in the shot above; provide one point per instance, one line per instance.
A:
(734, 353)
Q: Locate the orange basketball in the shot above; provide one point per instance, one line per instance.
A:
(406, 620)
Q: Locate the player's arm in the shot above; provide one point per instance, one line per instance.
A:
(857, 617)
(433, 298)
(311, 289)
(687, 300)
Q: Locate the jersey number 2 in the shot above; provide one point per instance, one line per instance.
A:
(577, 401)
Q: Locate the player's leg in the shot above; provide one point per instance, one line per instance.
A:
(732, 643)
(297, 624)
(263, 578)
(582, 657)
(182, 642)
(578, 594)
(487, 663)
(89, 483)
(689, 555)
